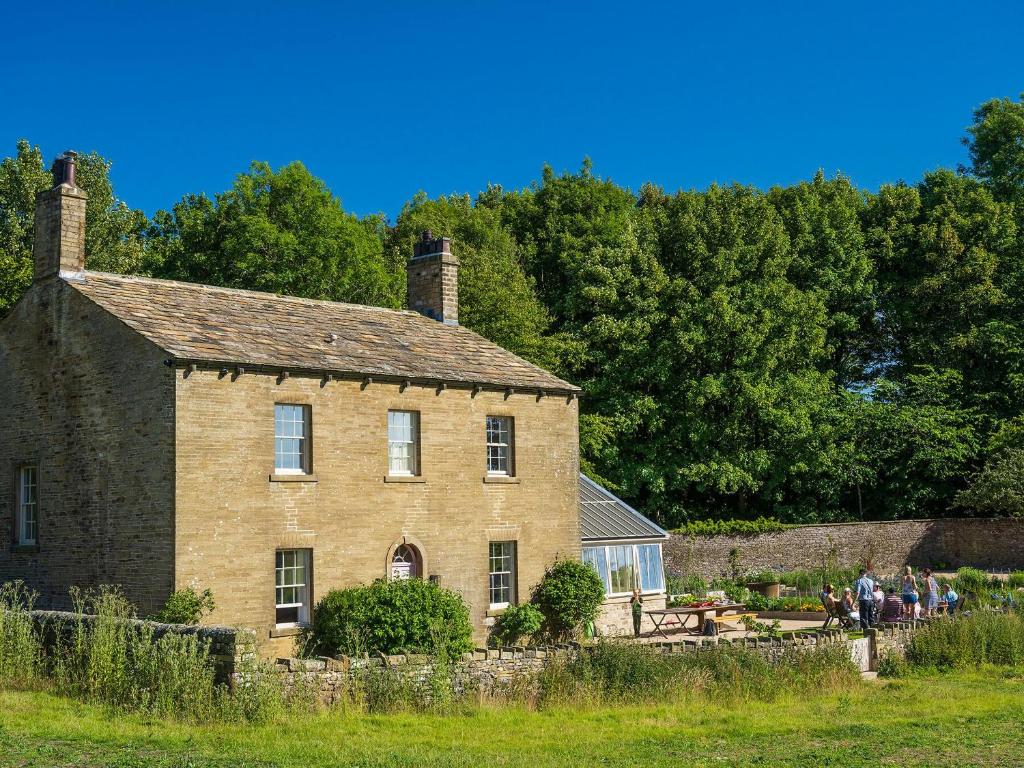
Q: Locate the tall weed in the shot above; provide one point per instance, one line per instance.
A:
(620, 672)
(983, 637)
(21, 656)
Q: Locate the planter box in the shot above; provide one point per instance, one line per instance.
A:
(766, 588)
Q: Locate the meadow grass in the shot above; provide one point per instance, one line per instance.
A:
(965, 719)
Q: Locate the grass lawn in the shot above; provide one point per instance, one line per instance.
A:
(963, 720)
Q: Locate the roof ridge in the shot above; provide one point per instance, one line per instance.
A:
(244, 291)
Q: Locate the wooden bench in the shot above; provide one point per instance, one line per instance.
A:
(726, 618)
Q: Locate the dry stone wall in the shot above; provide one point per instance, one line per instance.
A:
(995, 544)
(230, 648)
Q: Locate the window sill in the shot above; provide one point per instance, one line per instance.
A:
(404, 479)
(293, 478)
(285, 631)
(24, 548)
(493, 612)
(501, 479)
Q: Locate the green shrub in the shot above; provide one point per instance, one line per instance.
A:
(186, 606)
(516, 623)
(21, 656)
(812, 581)
(731, 527)
(569, 596)
(983, 637)
(892, 665)
(971, 580)
(410, 615)
(1016, 580)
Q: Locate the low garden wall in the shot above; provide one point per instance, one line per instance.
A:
(987, 543)
(229, 647)
(489, 672)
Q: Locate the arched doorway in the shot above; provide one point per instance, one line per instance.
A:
(406, 563)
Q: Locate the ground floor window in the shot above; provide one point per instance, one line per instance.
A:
(502, 573)
(625, 567)
(27, 513)
(292, 588)
(405, 563)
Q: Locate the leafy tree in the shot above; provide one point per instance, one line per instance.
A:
(996, 147)
(740, 380)
(279, 231)
(113, 236)
(999, 488)
(822, 218)
(920, 444)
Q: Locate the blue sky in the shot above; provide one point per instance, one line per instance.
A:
(384, 99)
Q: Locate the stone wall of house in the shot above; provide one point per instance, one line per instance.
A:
(91, 406)
(887, 545)
(230, 648)
(233, 513)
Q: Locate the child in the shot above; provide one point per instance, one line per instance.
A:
(950, 596)
(636, 602)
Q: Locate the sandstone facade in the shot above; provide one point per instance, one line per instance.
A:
(233, 514)
(91, 405)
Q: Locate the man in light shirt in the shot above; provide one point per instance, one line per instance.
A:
(865, 598)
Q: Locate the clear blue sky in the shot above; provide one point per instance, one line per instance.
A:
(382, 99)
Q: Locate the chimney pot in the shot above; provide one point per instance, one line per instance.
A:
(63, 169)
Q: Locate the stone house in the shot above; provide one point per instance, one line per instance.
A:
(159, 435)
(624, 547)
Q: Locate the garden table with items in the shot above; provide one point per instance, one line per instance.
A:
(663, 617)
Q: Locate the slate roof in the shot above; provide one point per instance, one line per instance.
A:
(206, 324)
(605, 516)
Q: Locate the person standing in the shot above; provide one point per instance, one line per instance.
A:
(636, 603)
(909, 593)
(930, 593)
(865, 598)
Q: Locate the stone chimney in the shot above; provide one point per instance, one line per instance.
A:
(60, 223)
(433, 279)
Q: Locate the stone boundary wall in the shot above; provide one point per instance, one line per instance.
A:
(988, 543)
(490, 672)
(484, 672)
(229, 647)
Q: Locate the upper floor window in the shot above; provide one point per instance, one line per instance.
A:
(291, 591)
(27, 512)
(291, 439)
(403, 442)
(500, 449)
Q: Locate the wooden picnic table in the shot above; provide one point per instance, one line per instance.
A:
(683, 613)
